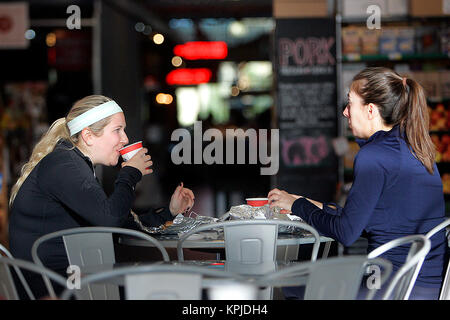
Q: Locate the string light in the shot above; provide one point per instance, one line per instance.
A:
(50, 39)
(177, 61)
(139, 27)
(164, 98)
(158, 38)
(30, 34)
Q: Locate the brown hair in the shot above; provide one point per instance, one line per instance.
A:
(401, 101)
(57, 131)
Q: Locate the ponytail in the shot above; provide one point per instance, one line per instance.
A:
(401, 101)
(58, 130)
(416, 125)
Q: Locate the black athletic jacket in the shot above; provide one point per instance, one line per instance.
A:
(62, 192)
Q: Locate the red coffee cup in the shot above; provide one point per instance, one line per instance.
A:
(130, 150)
(257, 202)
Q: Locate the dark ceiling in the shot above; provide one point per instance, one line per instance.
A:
(210, 8)
(164, 9)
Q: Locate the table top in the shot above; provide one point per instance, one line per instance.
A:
(211, 240)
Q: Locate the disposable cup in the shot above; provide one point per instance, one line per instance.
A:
(130, 150)
(257, 202)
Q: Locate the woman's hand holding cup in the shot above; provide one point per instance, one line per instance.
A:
(140, 161)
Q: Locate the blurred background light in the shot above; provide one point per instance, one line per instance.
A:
(187, 76)
(147, 30)
(188, 105)
(158, 38)
(163, 98)
(177, 61)
(139, 27)
(30, 34)
(237, 29)
(202, 50)
(50, 39)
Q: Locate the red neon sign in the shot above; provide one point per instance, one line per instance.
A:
(186, 76)
(202, 50)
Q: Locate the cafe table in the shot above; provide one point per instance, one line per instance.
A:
(287, 243)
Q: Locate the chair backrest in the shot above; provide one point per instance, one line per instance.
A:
(251, 241)
(401, 285)
(438, 228)
(335, 278)
(5, 271)
(5, 252)
(445, 289)
(7, 287)
(157, 281)
(87, 246)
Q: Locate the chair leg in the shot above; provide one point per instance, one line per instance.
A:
(326, 250)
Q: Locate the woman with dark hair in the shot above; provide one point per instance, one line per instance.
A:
(397, 189)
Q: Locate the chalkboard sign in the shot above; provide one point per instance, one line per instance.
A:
(306, 103)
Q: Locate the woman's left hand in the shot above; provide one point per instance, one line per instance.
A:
(281, 199)
(182, 200)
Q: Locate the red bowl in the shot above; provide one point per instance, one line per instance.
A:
(257, 202)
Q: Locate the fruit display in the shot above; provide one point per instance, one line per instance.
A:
(446, 183)
(440, 130)
(442, 144)
(439, 118)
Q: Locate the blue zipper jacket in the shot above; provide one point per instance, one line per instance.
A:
(392, 196)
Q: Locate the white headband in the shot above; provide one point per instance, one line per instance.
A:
(92, 116)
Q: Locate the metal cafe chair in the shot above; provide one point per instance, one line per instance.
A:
(445, 290)
(5, 252)
(402, 282)
(88, 246)
(250, 241)
(335, 278)
(161, 281)
(8, 288)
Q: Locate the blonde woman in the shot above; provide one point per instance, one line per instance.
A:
(58, 188)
